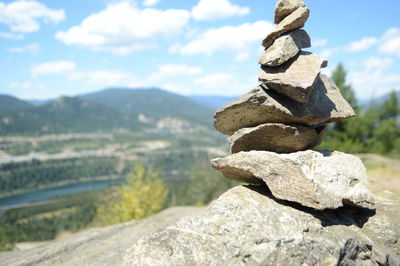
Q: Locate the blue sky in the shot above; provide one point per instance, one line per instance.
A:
(50, 48)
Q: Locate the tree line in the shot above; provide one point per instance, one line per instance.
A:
(374, 129)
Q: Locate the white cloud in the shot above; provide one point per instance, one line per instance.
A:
(176, 88)
(327, 71)
(391, 42)
(377, 63)
(217, 9)
(107, 78)
(122, 28)
(174, 70)
(222, 84)
(52, 68)
(243, 39)
(319, 43)
(327, 53)
(372, 81)
(32, 49)
(19, 85)
(11, 36)
(242, 57)
(217, 80)
(25, 16)
(361, 45)
(150, 2)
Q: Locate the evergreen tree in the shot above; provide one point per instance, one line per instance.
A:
(387, 130)
(375, 130)
(339, 76)
(390, 108)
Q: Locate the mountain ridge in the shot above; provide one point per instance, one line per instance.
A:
(10, 103)
(136, 101)
(101, 111)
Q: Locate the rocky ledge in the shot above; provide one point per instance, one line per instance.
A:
(96, 246)
(248, 226)
(245, 226)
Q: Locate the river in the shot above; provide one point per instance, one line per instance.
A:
(46, 194)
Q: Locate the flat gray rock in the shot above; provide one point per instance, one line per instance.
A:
(295, 78)
(294, 21)
(319, 180)
(248, 226)
(261, 106)
(276, 137)
(286, 7)
(285, 48)
(96, 246)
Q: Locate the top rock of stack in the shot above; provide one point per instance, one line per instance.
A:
(286, 7)
(294, 21)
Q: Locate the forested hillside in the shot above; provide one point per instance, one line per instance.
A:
(101, 111)
(8, 103)
(65, 115)
(155, 103)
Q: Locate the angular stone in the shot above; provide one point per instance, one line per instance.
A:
(248, 226)
(285, 48)
(295, 78)
(276, 137)
(320, 180)
(96, 245)
(286, 7)
(294, 21)
(261, 106)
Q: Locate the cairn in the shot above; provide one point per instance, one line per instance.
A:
(274, 126)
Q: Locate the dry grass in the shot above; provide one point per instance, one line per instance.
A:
(383, 173)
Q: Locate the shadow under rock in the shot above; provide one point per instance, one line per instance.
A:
(347, 215)
(319, 104)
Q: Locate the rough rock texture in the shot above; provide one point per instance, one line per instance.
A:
(295, 78)
(320, 180)
(285, 7)
(276, 137)
(248, 226)
(294, 21)
(97, 246)
(261, 106)
(285, 48)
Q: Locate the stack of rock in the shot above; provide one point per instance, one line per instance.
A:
(273, 126)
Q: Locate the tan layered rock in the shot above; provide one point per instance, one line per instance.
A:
(261, 106)
(285, 7)
(276, 137)
(248, 226)
(295, 78)
(294, 21)
(285, 48)
(320, 180)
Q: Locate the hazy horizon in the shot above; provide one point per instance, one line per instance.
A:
(207, 47)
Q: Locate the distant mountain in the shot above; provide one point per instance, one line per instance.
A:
(9, 103)
(375, 101)
(101, 111)
(212, 101)
(65, 115)
(154, 103)
(39, 102)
